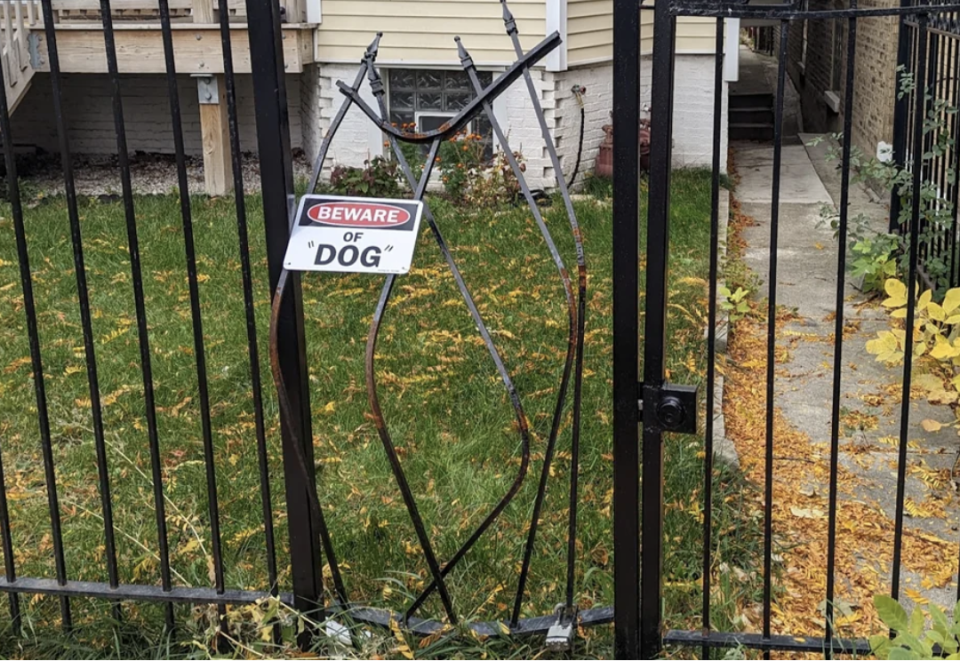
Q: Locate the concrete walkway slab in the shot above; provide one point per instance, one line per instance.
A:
(798, 178)
(807, 262)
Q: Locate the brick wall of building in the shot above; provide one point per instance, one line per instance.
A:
(314, 100)
(357, 139)
(692, 111)
(875, 76)
(825, 71)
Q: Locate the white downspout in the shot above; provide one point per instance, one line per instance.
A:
(557, 22)
(731, 50)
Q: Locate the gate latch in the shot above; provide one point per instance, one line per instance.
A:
(677, 406)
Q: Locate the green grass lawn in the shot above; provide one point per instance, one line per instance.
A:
(442, 399)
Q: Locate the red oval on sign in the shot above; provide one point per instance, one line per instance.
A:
(358, 214)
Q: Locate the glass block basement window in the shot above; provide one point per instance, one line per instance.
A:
(428, 98)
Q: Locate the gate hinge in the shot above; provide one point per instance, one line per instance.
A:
(677, 406)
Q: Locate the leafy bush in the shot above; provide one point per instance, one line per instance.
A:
(874, 258)
(378, 179)
(468, 177)
(936, 341)
(460, 162)
(912, 640)
(881, 255)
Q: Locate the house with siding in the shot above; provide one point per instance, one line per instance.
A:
(323, 41)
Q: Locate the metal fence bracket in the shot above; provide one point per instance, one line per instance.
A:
(677, 407)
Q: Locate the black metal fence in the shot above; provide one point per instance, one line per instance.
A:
(311, 545)
(644, 408)
(274, 148)
(928, 32)
(928, 65)
(762, 37)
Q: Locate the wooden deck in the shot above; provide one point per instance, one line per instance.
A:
(196, 36)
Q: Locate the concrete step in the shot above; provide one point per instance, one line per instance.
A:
(758, 131)
(751, 115)
(751, 100)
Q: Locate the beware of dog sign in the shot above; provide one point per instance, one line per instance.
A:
(353, 235)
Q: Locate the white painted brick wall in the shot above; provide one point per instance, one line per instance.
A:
(522, 128)
(146, 108)
(358, 139)
(692, 115)
(693, 111)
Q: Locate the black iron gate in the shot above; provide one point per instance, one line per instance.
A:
(929, 56)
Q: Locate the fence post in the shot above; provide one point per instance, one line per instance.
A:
(901, 109)
(626, 419)
(654, 332)
(276, 178)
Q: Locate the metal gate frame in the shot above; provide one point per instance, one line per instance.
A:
(639, 631)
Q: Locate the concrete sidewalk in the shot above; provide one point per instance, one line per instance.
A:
(807, 255)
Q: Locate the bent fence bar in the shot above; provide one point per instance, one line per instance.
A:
(928, 56)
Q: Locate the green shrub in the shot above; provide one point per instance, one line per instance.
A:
(378, 179)
(912, 641)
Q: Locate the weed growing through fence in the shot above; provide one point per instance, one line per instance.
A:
(445, 406)
(878, 256)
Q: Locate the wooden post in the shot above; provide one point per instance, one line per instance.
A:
(215, 131)
(202, 11)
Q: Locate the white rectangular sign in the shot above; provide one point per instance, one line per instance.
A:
(353, 235)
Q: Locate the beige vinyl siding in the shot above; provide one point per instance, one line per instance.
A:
(422, 31)
(590, 32)
(696, 34)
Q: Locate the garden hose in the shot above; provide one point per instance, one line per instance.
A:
(578, 92)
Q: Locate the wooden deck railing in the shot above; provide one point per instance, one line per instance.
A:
(146, 11)
(17, 17)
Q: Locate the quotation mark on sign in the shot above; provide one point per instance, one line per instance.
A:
(310, 244)
(388, 249)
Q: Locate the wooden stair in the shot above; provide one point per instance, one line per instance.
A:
(17, 17)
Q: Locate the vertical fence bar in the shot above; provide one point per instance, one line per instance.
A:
(915, 207)
(133, 244)
(839, 324)
(955, 167)
(273, 141)
(951, 171)
(86, 321)
(6, 543)
(256, 390)
(626, 263)
(655, 318)
(901, 111)
(712, 329)
(194, 292)
(772, 335)
(36, 362)
(21, 37)
(927, 85)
